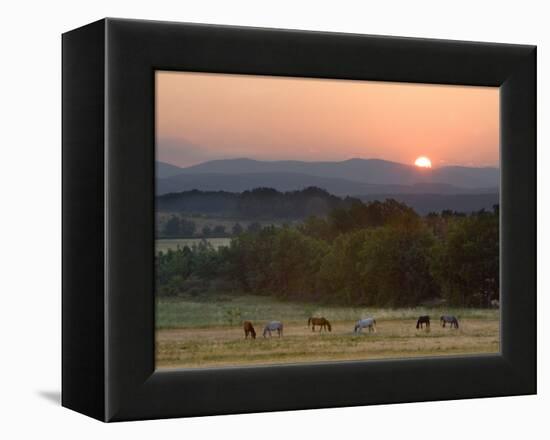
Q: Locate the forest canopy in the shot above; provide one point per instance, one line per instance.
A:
(376, 254)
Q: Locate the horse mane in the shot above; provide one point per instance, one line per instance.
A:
(308, 322)
(328, 325)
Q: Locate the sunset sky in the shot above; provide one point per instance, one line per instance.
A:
(201, 117)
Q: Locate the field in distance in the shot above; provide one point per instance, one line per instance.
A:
(202, 221)
(206, 331)
(163, 244)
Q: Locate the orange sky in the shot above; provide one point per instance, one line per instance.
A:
(212, 116)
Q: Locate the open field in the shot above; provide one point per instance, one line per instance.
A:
(163, 244)
(196, 333)
(202, 221)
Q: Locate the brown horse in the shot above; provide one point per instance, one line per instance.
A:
(249, 329)
(321, 322)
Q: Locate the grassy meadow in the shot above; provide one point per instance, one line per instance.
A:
(206, 331)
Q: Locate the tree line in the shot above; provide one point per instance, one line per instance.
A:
(374, 254)
(256, 204)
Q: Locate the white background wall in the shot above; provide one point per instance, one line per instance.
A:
(30, 229)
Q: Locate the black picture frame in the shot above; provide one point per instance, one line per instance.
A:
(108, 219)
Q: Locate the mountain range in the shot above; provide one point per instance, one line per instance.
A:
(350, 177)
(464, 189)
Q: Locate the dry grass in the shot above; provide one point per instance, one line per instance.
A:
(395, 338)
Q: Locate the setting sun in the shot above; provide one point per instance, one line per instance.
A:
(423, 162)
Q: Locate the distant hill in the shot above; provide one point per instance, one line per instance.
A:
(267, 203)
(165, 170)
(291, 181)
(373, 171)
(258, 204)
(296, 181)
(466, 177)
(348, 178)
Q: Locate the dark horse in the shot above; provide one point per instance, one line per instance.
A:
(449, 319)
(321, 322)
(249, 329)
(424, 319)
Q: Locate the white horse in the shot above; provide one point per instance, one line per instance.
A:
(272, 326)
(367, 322)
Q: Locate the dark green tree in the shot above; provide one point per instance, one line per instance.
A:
(172, 226)
(395, 265)
(237, 229)
(219, 230)
(187, 228)
(254, 227)
(466, 262)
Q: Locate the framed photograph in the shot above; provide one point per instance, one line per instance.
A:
(262, 220)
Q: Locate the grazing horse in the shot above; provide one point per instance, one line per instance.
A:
(425, 319)
(272, 326)
(249, 330)
(321, 322)
(449, 319)
(367, 322)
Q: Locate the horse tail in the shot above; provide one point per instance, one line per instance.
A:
(252, 331)
(308, 322)
(418, 323)
(329, 327)
(456, 323)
